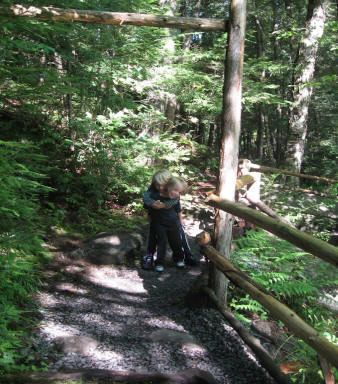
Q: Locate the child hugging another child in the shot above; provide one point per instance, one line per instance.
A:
(162, 199)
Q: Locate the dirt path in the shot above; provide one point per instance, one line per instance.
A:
(139, 321)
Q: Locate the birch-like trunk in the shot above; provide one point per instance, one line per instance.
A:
(302, 88)
(231, 125)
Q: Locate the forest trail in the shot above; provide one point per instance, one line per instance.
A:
(135, 320)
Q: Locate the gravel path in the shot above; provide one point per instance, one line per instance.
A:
(140, 322)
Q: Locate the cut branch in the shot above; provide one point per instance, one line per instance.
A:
(280, 311)
(302, 240)
(113, 18)
(250, 340)
(263, 169)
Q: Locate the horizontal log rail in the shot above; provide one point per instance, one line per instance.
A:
(113, 18)
(280, 311)
(263, 169)
(263, 356)
(301, 239)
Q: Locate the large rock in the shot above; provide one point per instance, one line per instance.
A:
(81, 345)
(111, 248)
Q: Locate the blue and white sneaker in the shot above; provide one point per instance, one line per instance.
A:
(159, 268)
(180, 264)
(147, 262)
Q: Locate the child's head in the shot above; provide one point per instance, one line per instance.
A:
(175, 187)
(160, 179)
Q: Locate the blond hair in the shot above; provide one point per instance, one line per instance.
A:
(176, 181)
(161, 177)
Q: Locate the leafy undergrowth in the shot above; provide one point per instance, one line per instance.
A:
(297, 279)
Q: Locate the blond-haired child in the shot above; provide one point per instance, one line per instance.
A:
(162, 201)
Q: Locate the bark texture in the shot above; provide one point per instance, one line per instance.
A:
(114, 18)
(301, 239)
(231, 125)
(302, 88)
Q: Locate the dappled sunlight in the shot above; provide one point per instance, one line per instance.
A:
(70, 287)
(164, 322)
(106, 277)
(53, 330)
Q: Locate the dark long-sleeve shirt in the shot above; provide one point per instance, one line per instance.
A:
(152, 194)
(165, 216)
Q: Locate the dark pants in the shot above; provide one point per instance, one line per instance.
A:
(152, 241)
(167, 233)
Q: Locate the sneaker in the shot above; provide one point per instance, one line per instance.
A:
(159, 268)
(147, 262)
(180, 264)
(191, 260)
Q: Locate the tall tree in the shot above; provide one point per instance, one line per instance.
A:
(302, 86)
(231, 126)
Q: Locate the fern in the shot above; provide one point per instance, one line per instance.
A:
(290, 274)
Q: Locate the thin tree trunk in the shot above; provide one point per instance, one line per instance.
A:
(260, 130)
(231, 125)
(263, 128)
(187, 43)
(276, 50)
(212, 129)
(302, 91)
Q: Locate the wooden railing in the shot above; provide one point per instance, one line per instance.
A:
(295, 324)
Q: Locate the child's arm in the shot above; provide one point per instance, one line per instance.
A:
(180, 217)
(178, 209)
(149, 201)
(172, 202)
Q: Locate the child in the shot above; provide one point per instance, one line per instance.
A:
(164, 195)
(165, 224)
(151, 200)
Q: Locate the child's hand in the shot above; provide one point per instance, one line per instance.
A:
(158, 205)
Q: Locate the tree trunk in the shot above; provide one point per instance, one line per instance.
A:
(113, 18)
(231, 125)
(187, 42)
(303, 75)
(212, 129)
(276, 50)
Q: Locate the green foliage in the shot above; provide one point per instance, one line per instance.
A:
(20, 247)
(297, 279)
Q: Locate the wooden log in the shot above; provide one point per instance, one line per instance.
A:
(231, 128)
(113, 18)
(326, 369)
(280, 311)
(264, 169)
(301, 239)
(254, 343)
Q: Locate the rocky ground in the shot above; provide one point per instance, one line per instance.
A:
(125, 318)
